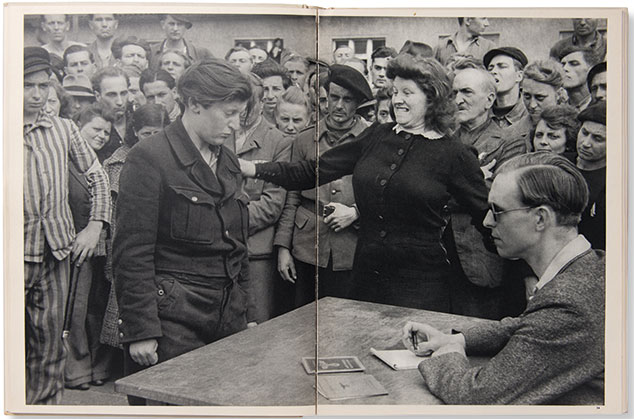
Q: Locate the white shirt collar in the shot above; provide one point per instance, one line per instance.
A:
(427, 133)
(576, 247)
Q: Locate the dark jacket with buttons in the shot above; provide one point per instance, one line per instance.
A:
(174, 215)
(402, 184)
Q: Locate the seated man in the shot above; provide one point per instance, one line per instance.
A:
(553, 353)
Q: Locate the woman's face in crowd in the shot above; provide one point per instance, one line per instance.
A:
(216, 123)
(147, 131)
(174, 64)
(537, 96)
(291, 118)
(409, 102)
(96, 132)
(53, 105)
(548, 139)
(383, 112)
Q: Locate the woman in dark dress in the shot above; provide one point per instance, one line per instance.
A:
(404, 174)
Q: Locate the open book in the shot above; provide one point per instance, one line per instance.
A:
(259, 370)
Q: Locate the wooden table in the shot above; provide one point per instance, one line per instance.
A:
(262, 366)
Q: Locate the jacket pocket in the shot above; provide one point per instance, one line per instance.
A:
(166, 293)
(193, 215)
(301, 218)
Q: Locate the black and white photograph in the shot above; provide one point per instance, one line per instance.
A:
(284, 210)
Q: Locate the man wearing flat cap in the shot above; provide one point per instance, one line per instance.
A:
(175, 27)
(335, 210)
(591, 162)
(506, 65)
(50, 239)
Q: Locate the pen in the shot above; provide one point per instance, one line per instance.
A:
(414, 340)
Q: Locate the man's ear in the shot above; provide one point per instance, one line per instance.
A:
(544, 217)
(194, 106)
(519, 76)
(97, 96)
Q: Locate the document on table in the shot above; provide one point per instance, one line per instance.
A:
(349, 386)
(398, 359)
(333, 364)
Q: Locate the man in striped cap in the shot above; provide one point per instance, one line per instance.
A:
(50, 241)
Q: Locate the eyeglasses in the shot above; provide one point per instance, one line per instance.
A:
(496, 213)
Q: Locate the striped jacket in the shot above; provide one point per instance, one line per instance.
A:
(49, 144)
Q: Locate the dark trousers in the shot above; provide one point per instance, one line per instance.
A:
(45, 293)
(88, 359)
(194, 311)
(331, 283)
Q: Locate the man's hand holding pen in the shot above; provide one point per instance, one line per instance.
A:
(424, 340)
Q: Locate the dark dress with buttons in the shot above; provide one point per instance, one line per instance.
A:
(402, 184)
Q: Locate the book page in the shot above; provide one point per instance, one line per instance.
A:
(335, 306)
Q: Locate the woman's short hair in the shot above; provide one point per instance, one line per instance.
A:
(432, 79)
(91, 112)
(545, 71)
(148, 115)
(212, 80)
(545, 178)
(295, 96)
(257, 92)
(563, 116)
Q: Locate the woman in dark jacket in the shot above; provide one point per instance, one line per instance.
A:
(404, 174)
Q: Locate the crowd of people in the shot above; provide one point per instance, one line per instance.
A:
(172, 198)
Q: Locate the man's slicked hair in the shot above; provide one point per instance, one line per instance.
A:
(212, 81)
(106, 72)
(546, 178)
(269, 68)
(75, 49)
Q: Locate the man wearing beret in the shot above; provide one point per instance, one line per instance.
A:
(175, 27)
(295, 236)
(591, 162)
(597, 82)
(506, 65)
(50, 240)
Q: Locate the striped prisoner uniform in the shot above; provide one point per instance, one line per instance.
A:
(49, 144)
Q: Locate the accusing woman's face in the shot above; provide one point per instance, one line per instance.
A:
(409, 102)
